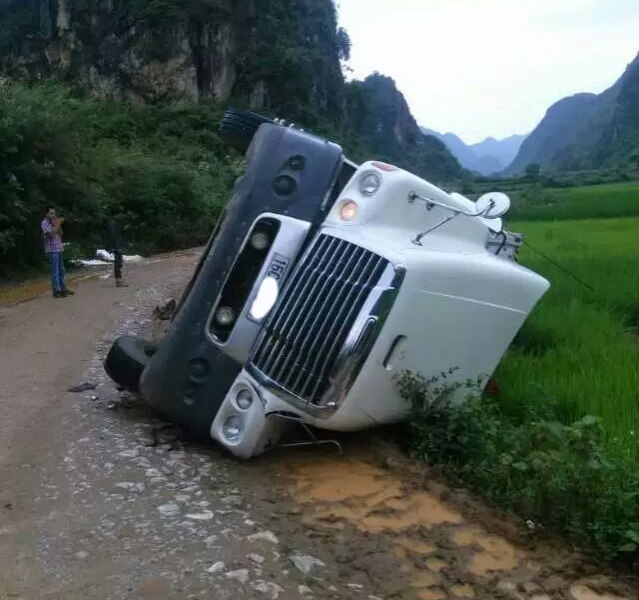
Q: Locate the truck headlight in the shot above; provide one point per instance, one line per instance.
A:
(348, 211)
(225, 316)
(232, 428)
(370, 183)
(265, 299)
(260, 241)
(244, 399)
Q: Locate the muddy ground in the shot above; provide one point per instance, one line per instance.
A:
(100, 499)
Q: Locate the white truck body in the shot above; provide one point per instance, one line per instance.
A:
(449, 302)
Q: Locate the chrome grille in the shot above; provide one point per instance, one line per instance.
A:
(302, 341)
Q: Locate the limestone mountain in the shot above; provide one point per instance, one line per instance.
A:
(587, 131)
(381, 117)
(279, 57)
(280, 54)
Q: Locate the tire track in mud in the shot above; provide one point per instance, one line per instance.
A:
(407, 537)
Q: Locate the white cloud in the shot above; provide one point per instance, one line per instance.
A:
(491, 67)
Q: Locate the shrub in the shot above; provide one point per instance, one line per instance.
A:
(161, 168)
(557, 474)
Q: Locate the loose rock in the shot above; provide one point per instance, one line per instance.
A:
(169, 510)
(217, 567)
(269, 589)
(265, 536)
(241, 575)
(305, 564)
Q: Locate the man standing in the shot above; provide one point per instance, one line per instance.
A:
(53, 248)
(113, 243)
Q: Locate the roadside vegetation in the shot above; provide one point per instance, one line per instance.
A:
(557, 439)
(162, 168)
(557, 473)
(538, 203)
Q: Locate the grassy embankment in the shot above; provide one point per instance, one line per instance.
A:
(559, 442)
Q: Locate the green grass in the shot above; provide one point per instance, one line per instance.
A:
(558, 443)
(588, 202)
(580, 349)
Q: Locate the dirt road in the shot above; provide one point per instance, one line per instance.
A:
(100, 500)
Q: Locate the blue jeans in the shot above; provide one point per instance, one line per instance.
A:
(57, 272)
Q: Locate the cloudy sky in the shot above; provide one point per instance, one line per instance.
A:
(491, 67)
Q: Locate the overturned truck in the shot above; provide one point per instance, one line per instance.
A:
(322, 281)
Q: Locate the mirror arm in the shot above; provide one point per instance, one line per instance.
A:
(418, 240)
(430, 203)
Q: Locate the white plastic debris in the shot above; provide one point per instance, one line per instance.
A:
(103, 258)
(305, 563)
(104, 255)
(89, 263)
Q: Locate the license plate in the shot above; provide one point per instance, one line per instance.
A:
(278, 266)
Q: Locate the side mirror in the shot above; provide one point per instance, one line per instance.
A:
(493, 205)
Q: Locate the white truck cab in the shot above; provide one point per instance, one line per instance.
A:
(323, 281)
(400, 276)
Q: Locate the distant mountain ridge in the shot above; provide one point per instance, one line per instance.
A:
(587, 131)
(487, 157)
(504, 150)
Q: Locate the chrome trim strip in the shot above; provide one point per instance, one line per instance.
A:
(360, 342)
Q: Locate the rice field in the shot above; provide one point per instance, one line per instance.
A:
(588, 202)
(580, 348)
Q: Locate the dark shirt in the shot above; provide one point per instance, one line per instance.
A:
(112, 236)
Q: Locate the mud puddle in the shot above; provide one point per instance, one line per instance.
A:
(427, 544)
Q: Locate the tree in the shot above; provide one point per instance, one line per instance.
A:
(533, 170)
(344, 44)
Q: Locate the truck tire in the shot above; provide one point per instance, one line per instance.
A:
(127, 360)
(238, 127)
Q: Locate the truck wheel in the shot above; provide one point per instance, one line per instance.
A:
(127, 360)
(238, 127)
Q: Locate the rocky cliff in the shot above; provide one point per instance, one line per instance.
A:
(272, 54)
(380, 116)
(279, 57)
